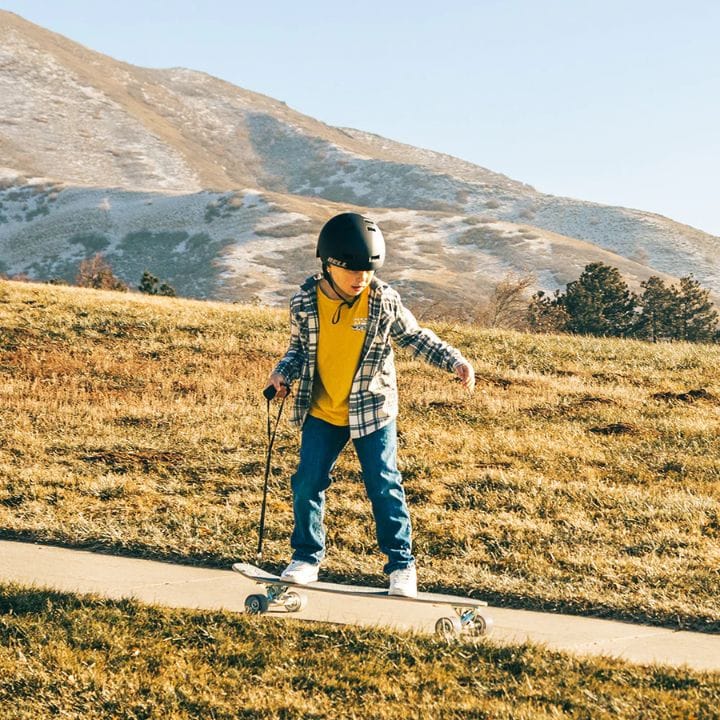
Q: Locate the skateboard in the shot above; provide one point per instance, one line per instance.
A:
(467, 619)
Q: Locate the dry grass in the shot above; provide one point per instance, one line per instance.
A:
(582, 475)
(81, 658)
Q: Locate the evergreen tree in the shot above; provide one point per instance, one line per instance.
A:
(150, 285)
(696, 317)
(167, 290)
(600, 303)
(546, 314)
(657, 316)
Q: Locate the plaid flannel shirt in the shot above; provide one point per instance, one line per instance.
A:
(373, 401)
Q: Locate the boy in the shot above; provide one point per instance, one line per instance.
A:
(341, 323)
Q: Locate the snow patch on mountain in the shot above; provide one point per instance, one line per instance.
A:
(77, 131)
(47, 230)
(145, 166)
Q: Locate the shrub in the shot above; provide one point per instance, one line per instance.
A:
(96, 273)
(150, 285)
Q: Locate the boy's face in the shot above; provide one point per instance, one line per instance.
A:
(350, 282)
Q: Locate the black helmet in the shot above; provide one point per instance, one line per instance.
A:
(351, 241)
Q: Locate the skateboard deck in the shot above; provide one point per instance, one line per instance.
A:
(291, 597)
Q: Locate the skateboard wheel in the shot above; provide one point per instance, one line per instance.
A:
(256, 604)
(448, 627)
(482, 625)
(294, 602)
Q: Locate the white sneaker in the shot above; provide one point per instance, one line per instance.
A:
(300, 572)
(404, 582)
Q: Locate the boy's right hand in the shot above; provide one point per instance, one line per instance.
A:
(466, 375)
(280, 385)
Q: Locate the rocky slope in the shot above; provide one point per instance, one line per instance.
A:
(221, 191)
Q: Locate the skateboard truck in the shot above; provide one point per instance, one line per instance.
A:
(467, 621)
(277, 595)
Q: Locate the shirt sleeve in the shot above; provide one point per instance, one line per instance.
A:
(291, 364)
(424, 343)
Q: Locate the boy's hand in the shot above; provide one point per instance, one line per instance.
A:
(467, 375)
(278, 382)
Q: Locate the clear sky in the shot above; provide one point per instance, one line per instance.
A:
(612, 101)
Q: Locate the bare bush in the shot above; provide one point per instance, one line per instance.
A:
(506, 307)
(96, 273)
(508, 304)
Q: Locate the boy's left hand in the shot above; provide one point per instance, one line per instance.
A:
(467, 375)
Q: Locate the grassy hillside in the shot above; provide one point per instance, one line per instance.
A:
(582, 475)
(80, 658)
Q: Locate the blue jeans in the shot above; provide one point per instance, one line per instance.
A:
(320, 446)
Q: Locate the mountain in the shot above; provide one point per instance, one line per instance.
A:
(221, 191)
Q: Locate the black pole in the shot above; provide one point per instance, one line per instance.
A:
(269, 394)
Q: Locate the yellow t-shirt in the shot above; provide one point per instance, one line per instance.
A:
(338, 356)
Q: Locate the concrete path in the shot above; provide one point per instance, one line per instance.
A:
(188, 587)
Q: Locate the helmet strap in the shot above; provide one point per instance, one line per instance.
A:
(343, 299)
